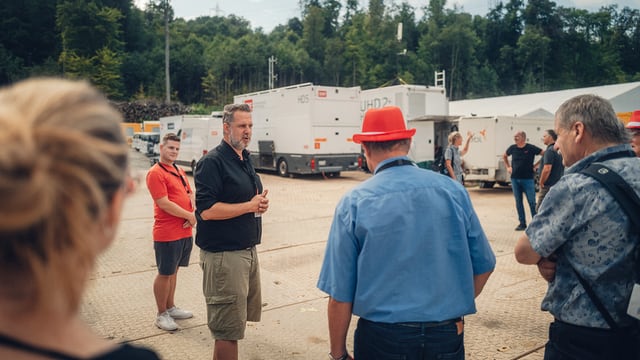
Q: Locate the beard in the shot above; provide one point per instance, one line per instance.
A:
(238, 143)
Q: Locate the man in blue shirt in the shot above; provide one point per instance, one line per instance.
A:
(406, 253)
(584, 230)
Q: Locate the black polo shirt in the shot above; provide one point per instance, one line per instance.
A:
(220, 176)
(522, 160)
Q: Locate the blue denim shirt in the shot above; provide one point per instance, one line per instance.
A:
(404, 246)
(584, 226)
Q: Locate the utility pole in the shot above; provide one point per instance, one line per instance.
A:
(401, 53)
(272, 75)
(165, 5)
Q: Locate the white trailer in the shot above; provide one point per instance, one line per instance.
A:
(198, 134)
(424, 108)
(173, 124)
(492, 136)
(304, 129)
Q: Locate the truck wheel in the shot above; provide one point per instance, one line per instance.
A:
(486, 184)
(283, 168)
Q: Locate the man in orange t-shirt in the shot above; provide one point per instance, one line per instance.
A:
(172, 229)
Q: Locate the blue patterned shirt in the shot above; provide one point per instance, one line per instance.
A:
(404, 246)
(584, 226)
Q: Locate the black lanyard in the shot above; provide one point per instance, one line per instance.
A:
(397, 162)
(177, 173)
(249, 170)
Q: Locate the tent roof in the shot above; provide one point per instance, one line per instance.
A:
(546, 103)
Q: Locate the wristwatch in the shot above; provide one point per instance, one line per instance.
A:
(343, 357)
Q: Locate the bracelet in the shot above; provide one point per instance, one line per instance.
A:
(343, 357)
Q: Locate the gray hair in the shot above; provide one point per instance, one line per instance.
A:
(596, 114)
(386, 146)
(230, 109)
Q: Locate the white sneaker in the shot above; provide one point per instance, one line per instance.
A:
(165, 322)
(178, 313)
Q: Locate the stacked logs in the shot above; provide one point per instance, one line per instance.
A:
(139, 111)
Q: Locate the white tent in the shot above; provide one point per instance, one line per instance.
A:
(623, 97)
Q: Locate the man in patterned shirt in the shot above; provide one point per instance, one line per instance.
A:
(585, 228)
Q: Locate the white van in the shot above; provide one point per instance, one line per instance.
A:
(145, 142)
(198, 135)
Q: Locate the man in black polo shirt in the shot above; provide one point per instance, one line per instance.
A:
(230, 201)
(551, 168)
(522, 156)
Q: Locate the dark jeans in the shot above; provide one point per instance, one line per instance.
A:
(526, 186)
(408, 341)
(571, 342)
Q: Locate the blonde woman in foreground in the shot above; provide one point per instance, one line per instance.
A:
(63, 179)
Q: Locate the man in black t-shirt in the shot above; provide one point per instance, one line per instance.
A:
(521, 170)
(551, 168)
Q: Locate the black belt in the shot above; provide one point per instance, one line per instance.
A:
(426, 324)
(430, 323)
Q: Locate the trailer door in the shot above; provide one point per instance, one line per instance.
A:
(422, 146)
(485, 151)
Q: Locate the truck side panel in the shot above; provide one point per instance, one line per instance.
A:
(296, 129)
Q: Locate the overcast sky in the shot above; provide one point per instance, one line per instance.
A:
(270, 13)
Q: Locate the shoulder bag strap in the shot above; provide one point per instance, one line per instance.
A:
(630, 203)
(618, 188)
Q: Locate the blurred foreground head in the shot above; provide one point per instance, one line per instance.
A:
(63, 164)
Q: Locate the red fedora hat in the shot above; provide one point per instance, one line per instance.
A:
(383, 124)
(634, 121)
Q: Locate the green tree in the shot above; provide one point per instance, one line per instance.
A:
(91, 43)
(532, 52)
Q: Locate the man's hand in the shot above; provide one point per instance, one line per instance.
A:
(190, 221)
(547, 269)
(260, 202)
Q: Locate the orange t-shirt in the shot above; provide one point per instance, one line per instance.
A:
(164, 180)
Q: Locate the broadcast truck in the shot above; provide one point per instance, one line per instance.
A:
(425, 108)
(304, 129)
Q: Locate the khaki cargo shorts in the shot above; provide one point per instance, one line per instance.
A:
(231, 287)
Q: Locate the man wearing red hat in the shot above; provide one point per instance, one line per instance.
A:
(406, 253)
(634, 128)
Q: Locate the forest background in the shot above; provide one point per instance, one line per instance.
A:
(516, 48)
